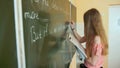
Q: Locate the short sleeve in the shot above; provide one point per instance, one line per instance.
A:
(97, 46)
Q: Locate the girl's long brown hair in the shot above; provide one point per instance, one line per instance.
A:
(93, 27)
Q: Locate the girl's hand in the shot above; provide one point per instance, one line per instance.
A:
(72, 25)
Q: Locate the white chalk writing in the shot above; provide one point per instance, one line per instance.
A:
(37, 35)
(50, 4)
(31, 15)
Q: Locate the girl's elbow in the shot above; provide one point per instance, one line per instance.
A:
(93, 63)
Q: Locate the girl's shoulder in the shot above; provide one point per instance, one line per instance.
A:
(97, 40)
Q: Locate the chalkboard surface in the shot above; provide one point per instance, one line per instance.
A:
(8, 53)
(44, 33)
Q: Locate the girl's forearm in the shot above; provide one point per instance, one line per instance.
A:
(78, 37)
(92, 60)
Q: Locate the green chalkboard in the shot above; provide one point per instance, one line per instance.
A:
(44, 33)
(8, 53)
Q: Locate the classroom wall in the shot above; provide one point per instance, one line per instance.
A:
(113, 2)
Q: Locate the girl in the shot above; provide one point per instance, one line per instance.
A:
(95, 38)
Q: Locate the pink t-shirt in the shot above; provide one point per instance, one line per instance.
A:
(96, 50)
